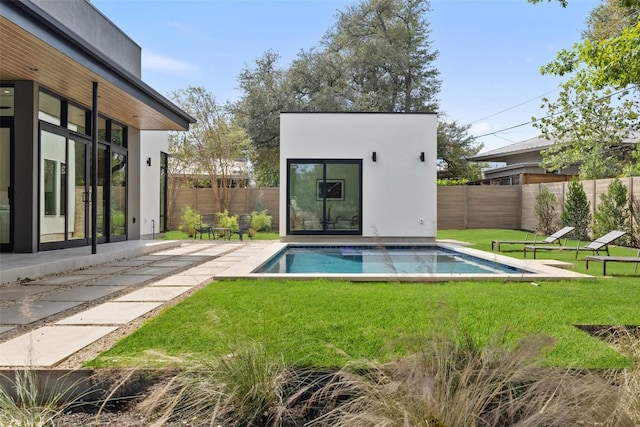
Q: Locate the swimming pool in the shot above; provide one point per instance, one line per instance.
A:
(259, 264)
(381, 260)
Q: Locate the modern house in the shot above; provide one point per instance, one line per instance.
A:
(521, 164)
(362, 176)
(77, 166)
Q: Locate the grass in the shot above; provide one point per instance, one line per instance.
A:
(329, 324)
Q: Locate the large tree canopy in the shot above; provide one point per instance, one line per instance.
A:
(376, 57)
(598, 105)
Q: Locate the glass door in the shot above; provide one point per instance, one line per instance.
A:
(64, 190)
(78, 192)
(5, 188)
(118, 196)
(102, 222)
(324, 196)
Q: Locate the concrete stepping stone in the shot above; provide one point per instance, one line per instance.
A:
(111, 313)
(33, 311)
(155, 293)
(69, 279)
(122, 280)
(104, 269)
(17, 293)
(49, 345)
(84, 293)
(183, 280)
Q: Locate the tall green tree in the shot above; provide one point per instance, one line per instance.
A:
(265, 94)
(577, 211)
(455, 145)
(215, 146)
(599, 104)
(612, 212)
(382, 52)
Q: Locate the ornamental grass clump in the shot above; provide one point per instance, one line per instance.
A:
(243, 388)
(28, 401)
(454, 382)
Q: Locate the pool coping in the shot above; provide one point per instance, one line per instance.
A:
(540, 269)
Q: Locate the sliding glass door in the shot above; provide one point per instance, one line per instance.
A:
(324, 196)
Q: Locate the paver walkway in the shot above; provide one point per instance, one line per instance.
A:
(45, 321)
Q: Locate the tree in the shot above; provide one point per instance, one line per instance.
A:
(258, 111)
(609, 19)
(599, 105)
(377, 57)
(613, 210)
(587, 129)
(455, 145)
(381, 51)
(214, 144)
(546, 211)
(577, 212)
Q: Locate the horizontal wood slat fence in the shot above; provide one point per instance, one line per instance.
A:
(459, 207)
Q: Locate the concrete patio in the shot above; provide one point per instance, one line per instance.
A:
(53, 304)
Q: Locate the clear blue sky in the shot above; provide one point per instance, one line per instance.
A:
(490, 51)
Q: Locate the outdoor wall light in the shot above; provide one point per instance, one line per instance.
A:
(148, 161)
(373, 156)
(422, 156)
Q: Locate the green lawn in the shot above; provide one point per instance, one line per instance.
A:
(326, 324)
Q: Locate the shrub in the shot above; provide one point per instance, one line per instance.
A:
(260, 221)
(227, 221)
(576, 212)
(613, 211)
(545, 211)
(188, 220)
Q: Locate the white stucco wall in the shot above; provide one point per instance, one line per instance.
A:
(151, 144)
(399, 198)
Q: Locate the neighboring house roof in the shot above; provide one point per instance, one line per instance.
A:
(36, 46)
(531, 145)
(501, 154)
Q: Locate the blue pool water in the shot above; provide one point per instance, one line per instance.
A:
(375, 260)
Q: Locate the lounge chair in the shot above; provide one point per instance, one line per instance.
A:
(555, 237)
(599, 244)
(244, 225)
(605, 259)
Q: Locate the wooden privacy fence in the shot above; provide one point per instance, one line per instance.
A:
(592, 188)
(459, 207)
(242, 200)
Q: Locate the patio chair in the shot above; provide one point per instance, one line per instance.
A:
(555, 237)
(244, 224)
(205, 225)
(599, 244)
(604, 259)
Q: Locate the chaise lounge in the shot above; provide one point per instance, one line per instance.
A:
(555, 237)
(605, 259)
(599, 244)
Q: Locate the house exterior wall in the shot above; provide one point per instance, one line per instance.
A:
(151, 144)
(398, 190)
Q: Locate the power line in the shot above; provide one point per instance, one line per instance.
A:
(556, 114)
(514, 106)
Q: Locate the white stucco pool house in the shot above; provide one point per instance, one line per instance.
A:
(366, 176)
